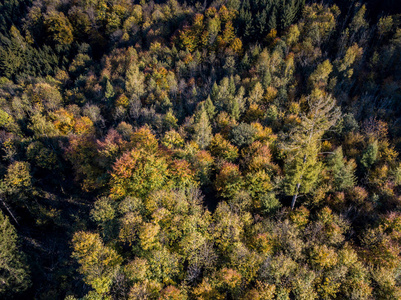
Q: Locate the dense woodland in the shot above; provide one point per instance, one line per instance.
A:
(200, 149)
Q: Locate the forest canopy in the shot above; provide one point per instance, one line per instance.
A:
(200, 149)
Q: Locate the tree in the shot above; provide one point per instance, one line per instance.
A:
(384, 25)
(59, 28)
(229, 181)
(210, 108)
(109, 91)
(203, 130)
(289, 13)
(138, 173)
(342, 172)
(302, 166)
(98, 263)
(164, 265)
(135, 81)
(243, 135)
(14, 276)
(319, 77)
(8, 122)
(220, 147)
(172, 140)
(103, 214)
(358, 24)
(369, 156)
(345, 65)
(301, 173)
(41, 155)
(228, 228)
(256, 18)
(17, 183)
(258, 184)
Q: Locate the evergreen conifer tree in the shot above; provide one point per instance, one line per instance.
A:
(342, 171)
(203, 130)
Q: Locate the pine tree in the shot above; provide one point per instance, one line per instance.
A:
(109, 92)
(289, 13)
(203, 130)
(272, 23)
(243, 135)
(342, 172)
(369, 156)
(135, 80)
(210, 108)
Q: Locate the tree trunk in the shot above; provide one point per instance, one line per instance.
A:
(294, 198)
(9, 211)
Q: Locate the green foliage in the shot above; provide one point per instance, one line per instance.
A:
(19, 58)
(302, 168)
(8, 122)
(14, 273)
(203, 130)
(304, 171)
(229, 181)
(98, 263)
(220, 147)
(319, 78)
(257, 18)
(12, 11)
(229, 229)
(134, 83)
(269, 203)
(59, 28)
(369, 156)
(40, 155)
(243, 135)
(342, 171)
(17, 183)
(109, 91)
(103, 214)
(137, 174)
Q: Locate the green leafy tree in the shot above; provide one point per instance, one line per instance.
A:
(98, 263)
(17, 183)
(243, 135)
(220, 147)
(229, 228)
(210, 108)
(59, 28)
(14, 275)
(138, 173)
(229, 181)
(41, 155)
(319, 77)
